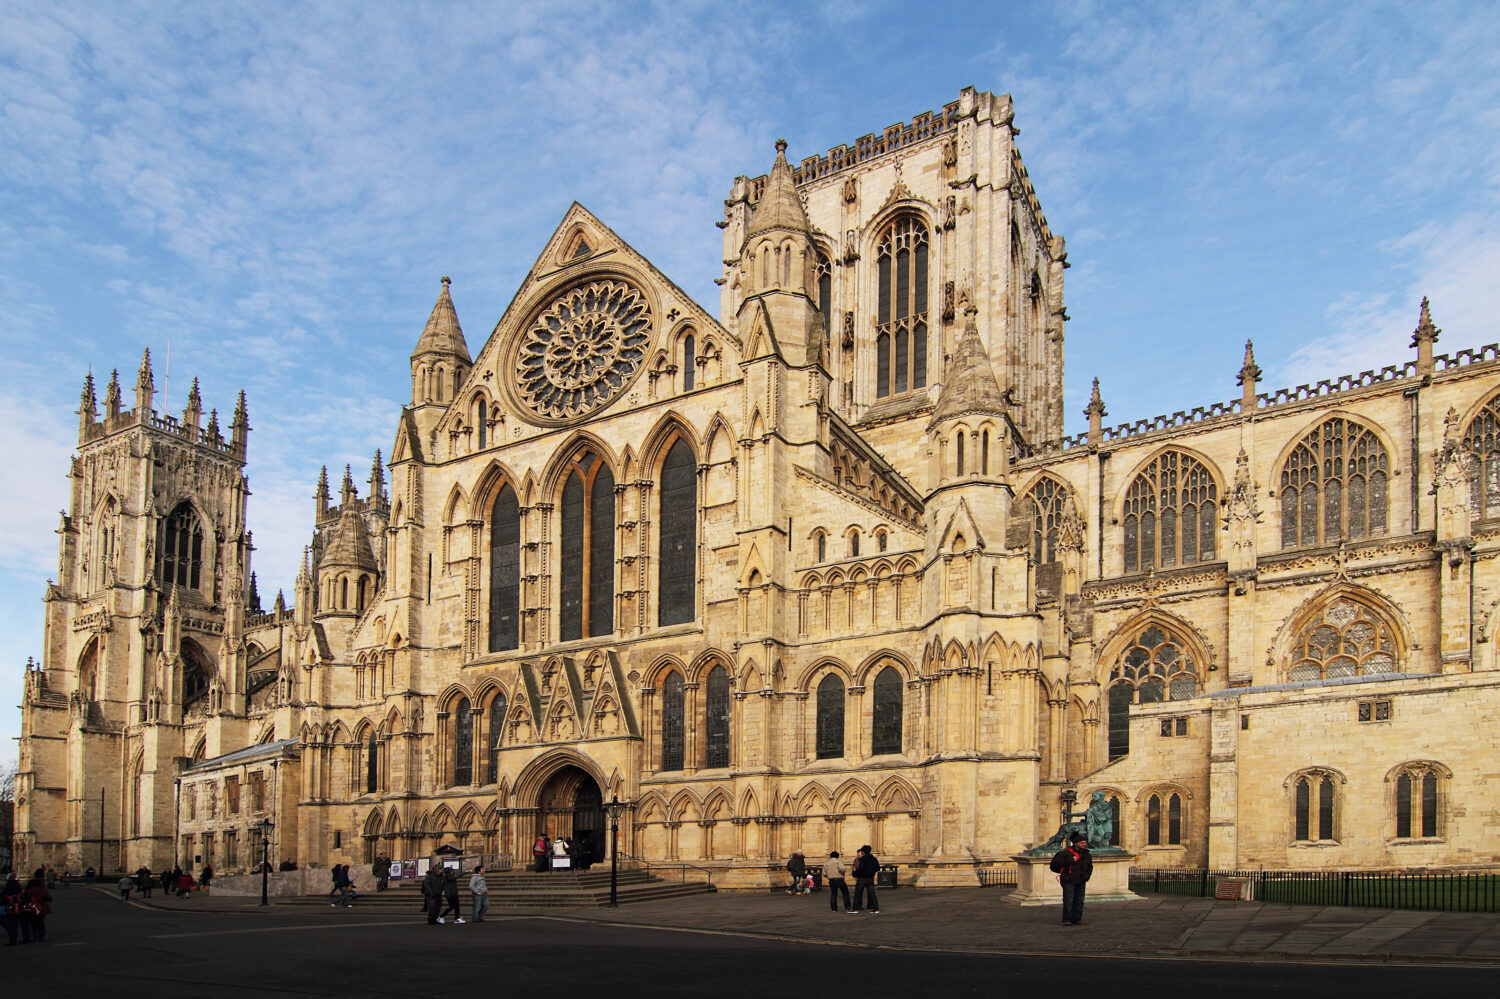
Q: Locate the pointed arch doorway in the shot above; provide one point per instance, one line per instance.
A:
(571, 806)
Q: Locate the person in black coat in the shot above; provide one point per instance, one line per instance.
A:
(866, 866)
(1074, 865)
(797, 868)
(450, 892)
(10, 911)
(432, 894)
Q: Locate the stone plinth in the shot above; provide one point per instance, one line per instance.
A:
(1037, 885)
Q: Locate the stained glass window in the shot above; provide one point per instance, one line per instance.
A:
(1417, 803)
(1344, 639)
(716, 752)
(823, 272)
(1153, 820)
(678, 572)
(481, 424)
(689, 362)
(1303, 810)
(496, 729)
(180, 559)
(372, 766)
(1334, 486)
(830, 718)
(1174, 819)
(1156, 667)
(1048, 500)
(505, 572)
(1325, 808)
(588, 550)
(901, 308)
(887, 713)
(672, 721)
(1169, 514)
(463, 742)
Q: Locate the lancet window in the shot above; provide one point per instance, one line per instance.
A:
(372, 765)
(588, 550)
(1334, 486)
(1483, 438)
(716, 749)
(901, 312)
(887, 713)
(1346, 638)
(830, 725)
(1417, 803)
(463, 742)
(1169, 514)
(1158, 666)
(496, 727)
(1047, 501)
(505, 572)
(673, 697)
(678, 572)
(1312, 808)
(180, 558)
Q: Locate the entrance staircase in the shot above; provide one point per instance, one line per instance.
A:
(522, 890)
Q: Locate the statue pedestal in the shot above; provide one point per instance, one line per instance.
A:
(1037, 885)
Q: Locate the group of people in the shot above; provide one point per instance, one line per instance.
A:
(836, 876)
(574, 854)
(343, 891)
(440, 885)
(24, 911)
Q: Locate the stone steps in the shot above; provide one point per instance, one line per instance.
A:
(527, 890)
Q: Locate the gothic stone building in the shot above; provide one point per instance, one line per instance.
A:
(820, 572)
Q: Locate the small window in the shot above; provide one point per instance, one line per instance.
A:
(1374, 711)
(880, 540)
(1182, 726)
(822, 548)
(689, 359)
(338, 839)
(854, 545)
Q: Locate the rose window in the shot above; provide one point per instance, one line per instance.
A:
(583, 350)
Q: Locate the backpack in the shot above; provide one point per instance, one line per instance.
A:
(1060, 865)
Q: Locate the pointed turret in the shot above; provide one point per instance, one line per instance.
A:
(321, 496)
(970, 386)
(348, 568)
(346, 490)
(213, 434)
(1423, 337)
(441, 357)
(112, 395)
(252, 599)
(1096, 413)
(1249, 374)
(377, 479)
(239, 427)
(778, 207)
(776, 262)
(88, 411)
(145, 386)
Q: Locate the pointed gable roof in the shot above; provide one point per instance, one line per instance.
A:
(778, 207)
(442, 334)
(351, 545)
(970, 386)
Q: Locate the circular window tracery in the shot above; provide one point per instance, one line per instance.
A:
(583, 350)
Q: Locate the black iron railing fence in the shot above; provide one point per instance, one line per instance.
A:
(1447, 891)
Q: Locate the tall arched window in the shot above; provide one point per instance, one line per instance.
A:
(886, 722)
(588, 550)
(1346, 638)
(672, 721)
(901, 315)
(689, 361)
(984, 454)
(463, 742)
(481, 422)
(1313, 808)
(716, 728)
(678, 571)
(958, 453)
(830, 718)
(505, 572)
(1153, 820)
(1483, 438)
(822, 547)
(372, 765)
(1174, 819)
(1417, 803)
(1115, 839)
(1048, 501)
(179, 560)
(1156, 667)
(1169, 514)
(823, 274)
(197, 670)
(1333, 486)
(496, 727)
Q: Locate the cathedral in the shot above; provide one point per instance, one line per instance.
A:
(818, 572)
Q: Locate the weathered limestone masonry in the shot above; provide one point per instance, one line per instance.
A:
(821, 572)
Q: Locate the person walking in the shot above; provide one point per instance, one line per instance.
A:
(797, 868)
(1073, 865)
(50, 878)
(866, 866)
(10, 911)
(35, 903)
(124, 885)
(168, 879)
(381, 870)
(833, 874)
(539, 851)
(432, 894)
(206, 876)
(480, 893)
(450, 892)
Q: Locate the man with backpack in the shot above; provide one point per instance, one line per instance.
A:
(1073, 865)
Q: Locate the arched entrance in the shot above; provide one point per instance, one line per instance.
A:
(571, 805)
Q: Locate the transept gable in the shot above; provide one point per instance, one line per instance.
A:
(576, 339)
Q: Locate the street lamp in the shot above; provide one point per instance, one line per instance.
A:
(265, 859)
(614, 807)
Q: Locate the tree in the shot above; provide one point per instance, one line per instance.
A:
(8, 770)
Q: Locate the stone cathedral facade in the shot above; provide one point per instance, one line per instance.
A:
(821, 571)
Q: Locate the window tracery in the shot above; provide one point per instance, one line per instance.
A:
(1483, 439)
(587, 570)
(901, 314)
(180, 562)
(1169, 514)
(1334, 485)
(583, 350)
(496, 727)
(505, 571)
(463, 742)
(1344, 639)
(1417, 802)
(1158, 666)
(830, 723)
(678, 576)
(886, 720)
(1313, 802)
(673, 697)
(1047, 501)
(716, 750)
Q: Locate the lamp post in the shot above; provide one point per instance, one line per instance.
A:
(1069, 798)
(265, 859)
(614, 807)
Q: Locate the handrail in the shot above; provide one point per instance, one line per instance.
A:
(636, 863)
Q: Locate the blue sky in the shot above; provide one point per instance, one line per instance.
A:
(276, 189)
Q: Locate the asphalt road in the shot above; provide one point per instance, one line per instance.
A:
(98, 946)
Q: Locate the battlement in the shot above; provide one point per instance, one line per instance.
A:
(1263, 401)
